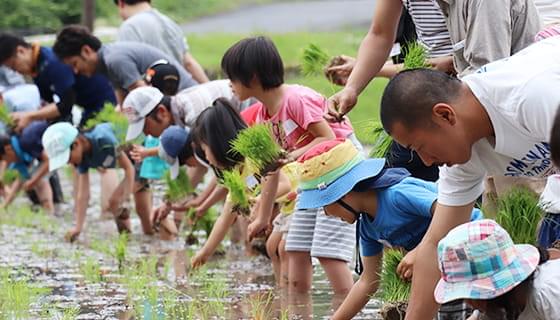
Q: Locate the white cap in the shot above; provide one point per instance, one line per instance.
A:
(138, 103)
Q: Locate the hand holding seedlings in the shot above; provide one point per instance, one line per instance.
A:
(199, 259)
(339, 69)
(20, 120)
(340, 104)
(405, 267)
(138, 153)
(72, 234)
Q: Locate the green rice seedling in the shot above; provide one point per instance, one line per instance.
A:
(91, 270)
(416, 56)
(17, 295)
(284, 315)
(179, 188)
(120, 249)
(393, 291)
(258, 146)
(314, 60)
(391, 287)
(519, 214)
(10, 176)
(110, 115)
(237, 190)
(382, 142)
(5, 117)
(102, 246)
(260, 303)
(70, 313)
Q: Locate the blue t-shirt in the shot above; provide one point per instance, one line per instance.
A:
(30, 138)
(402, 218)
(56, 78)
(24, 159)
(103, 148)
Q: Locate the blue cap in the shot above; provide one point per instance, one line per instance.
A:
(30, 138)
(171, 142)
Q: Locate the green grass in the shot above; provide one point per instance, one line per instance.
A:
(17, 295)
(391, 287)
(519, 214)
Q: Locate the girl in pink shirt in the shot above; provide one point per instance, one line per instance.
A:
(295, 112)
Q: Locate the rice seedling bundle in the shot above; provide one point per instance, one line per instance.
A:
(258, 146)
(110, 115)
(179, 188)
(519, 214)
(233, 181)
(391, 287)
(314, 60)
(382, 142)
(416, 56)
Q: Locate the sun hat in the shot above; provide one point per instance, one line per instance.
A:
(330, 170)
(171, 142)
(57, 140)
(478, 260)
(136, 106)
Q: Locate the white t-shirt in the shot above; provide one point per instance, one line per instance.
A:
(544, 301)
(190, 103)
(521, 95)
(549, 11)
(550, 197)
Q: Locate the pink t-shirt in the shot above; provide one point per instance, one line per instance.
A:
(301, 107)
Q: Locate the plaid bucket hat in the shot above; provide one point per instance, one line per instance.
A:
(330, 170)
(478, 260)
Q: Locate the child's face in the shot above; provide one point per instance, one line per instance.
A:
(210, 156)
(9, 155)
(190, 162)
(154, 126)
(76, 153)
(335, 210)
(239, 90)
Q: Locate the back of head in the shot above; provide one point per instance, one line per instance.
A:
(410, 96)
(71, 39)
(555, 140)
(9, 44)
(217, 127)
(131, 2)
(164, 76)
(255, 57)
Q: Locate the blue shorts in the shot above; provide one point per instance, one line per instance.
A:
(550, 230)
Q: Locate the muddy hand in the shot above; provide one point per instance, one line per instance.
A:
(339, 69)
(340, 104)
(199, 260)
(405, 267)
(256, 228)
(72, 235)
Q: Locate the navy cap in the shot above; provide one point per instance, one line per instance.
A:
(164, 76)
(30, 138)
(171, 143)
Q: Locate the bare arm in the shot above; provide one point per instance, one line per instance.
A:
(128, 183)
(82, 200)
(39, 173)
(422, 304)
(266, 204)
(12, 192)
(219, 231)
(194, 68)
(374, 51)
(23, 119)
(362, 290)
(321, 131)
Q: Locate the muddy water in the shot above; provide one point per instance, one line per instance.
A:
(245, 282)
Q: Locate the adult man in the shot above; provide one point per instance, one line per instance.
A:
(143, 23)
(494, 122)
(124, 63)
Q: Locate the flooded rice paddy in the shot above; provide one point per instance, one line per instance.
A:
(104, 276)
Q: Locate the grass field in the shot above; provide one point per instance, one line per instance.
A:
(209, 48)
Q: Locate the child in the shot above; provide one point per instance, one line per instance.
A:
(215, 129)
(255, 69)
(96, 148)
(480, 263)
(391, 208)
(20, 152)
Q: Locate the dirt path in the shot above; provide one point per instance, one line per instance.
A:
(281, 17)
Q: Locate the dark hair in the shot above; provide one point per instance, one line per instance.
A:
(254, 57)
(131, 2)
(217, 127)
(4, 141)
(9, 44)
(187, 151)
(506, 306)
(555, 140)
(410, 96)
(71, 39)
(166, 102)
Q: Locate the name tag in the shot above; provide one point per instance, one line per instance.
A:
(289, 126)
(251, 182)
(108, 161)
(459, 45)
(396, 50)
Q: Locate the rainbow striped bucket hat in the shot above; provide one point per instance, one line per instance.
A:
(330, 170)
(478, 260)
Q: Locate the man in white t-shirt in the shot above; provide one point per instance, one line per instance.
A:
(496, 121)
